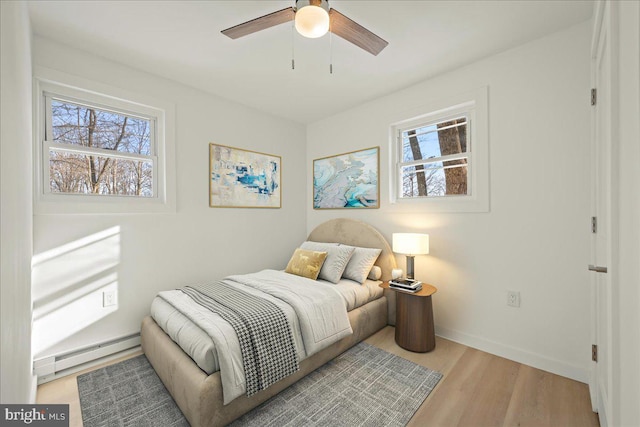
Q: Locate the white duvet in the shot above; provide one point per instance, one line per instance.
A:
(316, 313)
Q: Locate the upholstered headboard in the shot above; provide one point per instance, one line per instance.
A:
(356, 233)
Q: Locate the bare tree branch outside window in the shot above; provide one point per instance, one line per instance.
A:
(107, 171)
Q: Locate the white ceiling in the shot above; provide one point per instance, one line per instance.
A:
(181, 40)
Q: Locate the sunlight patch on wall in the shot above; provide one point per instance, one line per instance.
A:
(69, 282)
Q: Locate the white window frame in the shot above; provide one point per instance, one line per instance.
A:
(48, 85)
(49, 145)
(472, 105)
(400, 164)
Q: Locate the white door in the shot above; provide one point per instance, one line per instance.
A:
(601, 379)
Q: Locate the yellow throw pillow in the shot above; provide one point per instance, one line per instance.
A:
(306, 263)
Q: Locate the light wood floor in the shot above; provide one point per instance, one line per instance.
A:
(477, 389)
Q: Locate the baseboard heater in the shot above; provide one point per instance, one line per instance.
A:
(52, 367)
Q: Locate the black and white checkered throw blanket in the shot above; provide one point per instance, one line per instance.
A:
(266, 339)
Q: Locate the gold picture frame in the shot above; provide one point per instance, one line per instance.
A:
(241, 178)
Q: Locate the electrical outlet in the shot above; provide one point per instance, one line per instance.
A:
(513, 299)
(108, 298)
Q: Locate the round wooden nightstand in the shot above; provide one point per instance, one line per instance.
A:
(414, 318)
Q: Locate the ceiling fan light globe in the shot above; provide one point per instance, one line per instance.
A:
(312, 21)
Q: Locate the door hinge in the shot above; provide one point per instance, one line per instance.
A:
(594, 96)
(594, 224)
(594, 352)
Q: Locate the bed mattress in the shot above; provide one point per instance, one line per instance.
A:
(200, 347)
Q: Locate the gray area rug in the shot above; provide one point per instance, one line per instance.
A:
(365, 386)
(128, 393)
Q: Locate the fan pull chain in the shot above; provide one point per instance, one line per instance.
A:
(293, 40)
(330, 50)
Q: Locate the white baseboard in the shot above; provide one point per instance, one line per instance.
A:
(87, 365)
(51, 367)
(516, 354)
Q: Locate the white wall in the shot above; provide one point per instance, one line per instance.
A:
(627, 355)
(146, 253)
(15, 214)
(535, 239)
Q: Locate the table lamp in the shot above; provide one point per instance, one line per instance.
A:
(410, 244)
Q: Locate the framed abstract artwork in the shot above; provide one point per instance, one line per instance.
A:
(243, 179)
(348, 180)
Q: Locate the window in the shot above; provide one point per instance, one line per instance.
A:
(434, 159)
(101, 149)
(94, 151)
(440, 160)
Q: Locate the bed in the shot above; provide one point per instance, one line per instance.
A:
(200, 395)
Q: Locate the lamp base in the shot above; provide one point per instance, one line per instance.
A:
(410, 259)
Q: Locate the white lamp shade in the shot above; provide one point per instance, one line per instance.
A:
(411, 243)
(312, 21)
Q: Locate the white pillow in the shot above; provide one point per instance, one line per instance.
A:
(360, 263)
(375, 273)
(336, 261)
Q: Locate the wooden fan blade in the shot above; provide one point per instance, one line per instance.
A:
(355, 33)
(261, 23)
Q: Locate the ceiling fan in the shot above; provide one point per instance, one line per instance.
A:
(313, 18)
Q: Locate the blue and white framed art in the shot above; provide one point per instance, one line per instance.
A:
(347, 181)
(243, 179)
